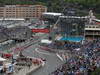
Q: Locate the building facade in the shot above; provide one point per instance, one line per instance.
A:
(92, 28)
(92, 31)
(22, 11)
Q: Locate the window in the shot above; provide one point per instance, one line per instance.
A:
(93, 26)
(89, 26)
(86, 26)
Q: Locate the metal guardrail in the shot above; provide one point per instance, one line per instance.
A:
(52, 49)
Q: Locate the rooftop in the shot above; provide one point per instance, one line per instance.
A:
(12, 19)
(52, 13)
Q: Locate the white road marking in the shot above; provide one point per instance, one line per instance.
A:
(43, 63)
(41, 52)
(59, 57)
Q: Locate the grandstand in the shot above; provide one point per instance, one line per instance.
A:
(3, 37)
(71, 25)
(51, 16)
(18, 33)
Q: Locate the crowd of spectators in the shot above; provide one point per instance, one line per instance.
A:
(16, 33)
(3, 31)
(62, 45)
(83, 61)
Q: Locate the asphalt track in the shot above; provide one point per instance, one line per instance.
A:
(52, 61)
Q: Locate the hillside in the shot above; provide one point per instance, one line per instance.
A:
(59, 5)
(56, 5)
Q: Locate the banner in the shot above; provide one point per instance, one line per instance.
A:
(41, 30)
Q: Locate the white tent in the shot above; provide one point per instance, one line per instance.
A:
(46, 41)
(2, 59)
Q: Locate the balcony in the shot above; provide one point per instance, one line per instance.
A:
(92, 33)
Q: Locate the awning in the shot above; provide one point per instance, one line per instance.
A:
(72, 39)
(7, 55)
(41, 30)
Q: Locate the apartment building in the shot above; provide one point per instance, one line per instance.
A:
(22, 11)
(92, 31)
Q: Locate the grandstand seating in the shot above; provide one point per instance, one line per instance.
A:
(15, 33)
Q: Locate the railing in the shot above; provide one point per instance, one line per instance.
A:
(90, 33)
